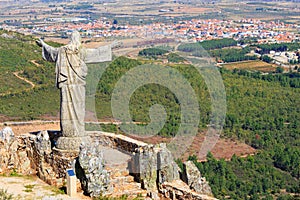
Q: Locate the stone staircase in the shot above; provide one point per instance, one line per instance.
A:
(123, 183)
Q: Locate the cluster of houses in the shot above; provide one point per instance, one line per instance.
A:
(284, 58)
(189, 30)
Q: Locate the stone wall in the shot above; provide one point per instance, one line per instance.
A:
(14, 155)
(34, 154)
(152, 166)
(117, 141)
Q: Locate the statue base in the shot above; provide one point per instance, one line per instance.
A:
(71, 143)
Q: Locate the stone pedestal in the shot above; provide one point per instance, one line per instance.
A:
(71, 143)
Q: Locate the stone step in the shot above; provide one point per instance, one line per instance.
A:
(118, 169)
(118, 181)
(127, 187)
(122, 182)
(118, 173)
(132, 194)
(131, 190)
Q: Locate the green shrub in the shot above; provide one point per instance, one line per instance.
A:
(4, 195)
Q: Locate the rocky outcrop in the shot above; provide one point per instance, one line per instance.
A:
(168, 170)
(14, 153)
(42, 143)
(152, 166)
(34, 154)
(177, 189)
(6, 134)
(192, 177)
(110, 165)
(144, 167)
(91, 172)
(104, 170)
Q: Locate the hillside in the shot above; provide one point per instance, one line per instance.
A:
(262, 113)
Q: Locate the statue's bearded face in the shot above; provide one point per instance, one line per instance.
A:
(75, 38)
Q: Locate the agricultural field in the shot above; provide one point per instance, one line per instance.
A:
(254, 65)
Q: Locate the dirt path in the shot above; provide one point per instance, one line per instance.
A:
(35, 63)
(30, 187)
(16, 74)
(24, 79)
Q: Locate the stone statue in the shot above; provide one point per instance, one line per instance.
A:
(71, 71)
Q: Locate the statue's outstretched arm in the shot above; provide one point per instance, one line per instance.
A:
(49, 53)
(40, 42)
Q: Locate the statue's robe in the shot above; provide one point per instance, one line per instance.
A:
(71, 71)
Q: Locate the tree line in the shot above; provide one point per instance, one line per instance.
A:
(232, 55)
(266, 48)
(291, 79)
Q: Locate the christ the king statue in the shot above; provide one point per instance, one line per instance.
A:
(71, 71)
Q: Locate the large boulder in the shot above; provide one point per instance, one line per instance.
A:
(7, 134)
(14, 153)
(90, 170)
(43, 143)
(144, 167)
(192, 177)
(154, 165)
(168, 170)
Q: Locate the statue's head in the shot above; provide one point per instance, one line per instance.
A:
(75, 38)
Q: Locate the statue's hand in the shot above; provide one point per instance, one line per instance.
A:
(39, 42)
